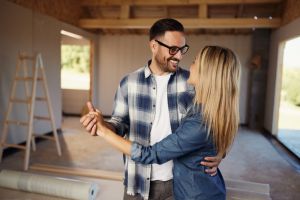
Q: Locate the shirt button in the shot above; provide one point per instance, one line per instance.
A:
(154, 105)
(148, 178)
(153, 88)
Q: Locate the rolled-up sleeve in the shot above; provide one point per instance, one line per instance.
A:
(136, 150)
(190, 136)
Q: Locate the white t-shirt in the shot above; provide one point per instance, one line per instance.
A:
(161, 127)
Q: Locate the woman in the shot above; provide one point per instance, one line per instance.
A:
(208, 129)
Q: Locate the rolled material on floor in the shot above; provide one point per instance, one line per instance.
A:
(54, 186)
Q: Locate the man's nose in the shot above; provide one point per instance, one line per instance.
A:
(178, 55)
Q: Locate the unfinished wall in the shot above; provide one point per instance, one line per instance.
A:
(278, 38)
(120, 55)
(258, 77)
(27, 31)
(74, 101)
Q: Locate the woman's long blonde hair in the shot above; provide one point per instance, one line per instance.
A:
(217, 90)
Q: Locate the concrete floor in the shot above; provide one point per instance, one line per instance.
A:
(252, 158)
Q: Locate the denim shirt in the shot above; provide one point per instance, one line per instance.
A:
(187, 146)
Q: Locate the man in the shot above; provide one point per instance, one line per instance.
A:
(149, 105)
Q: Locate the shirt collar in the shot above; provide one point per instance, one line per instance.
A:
(147, 70)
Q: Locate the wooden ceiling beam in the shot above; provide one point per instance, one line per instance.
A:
(202, 11)
(193, 23)
(125, 11)
(172, 2)
(240, 11)
(229, 2)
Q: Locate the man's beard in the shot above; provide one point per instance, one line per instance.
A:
(166, 65)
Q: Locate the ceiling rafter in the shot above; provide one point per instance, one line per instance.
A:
(172, 2)
(194, 14)
(195, 23)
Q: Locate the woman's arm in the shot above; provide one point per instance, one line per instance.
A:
(115, 140)
(183, 141)
(191, 135)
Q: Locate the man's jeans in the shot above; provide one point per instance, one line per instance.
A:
(159, 190)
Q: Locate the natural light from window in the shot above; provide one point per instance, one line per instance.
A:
(289, 110)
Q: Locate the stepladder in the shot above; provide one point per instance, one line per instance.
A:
(29, 102)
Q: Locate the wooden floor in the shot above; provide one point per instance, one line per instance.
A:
(252, 162)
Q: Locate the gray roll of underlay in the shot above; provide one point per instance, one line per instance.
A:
(48, 185)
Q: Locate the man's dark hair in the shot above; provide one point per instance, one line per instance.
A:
(161, 26)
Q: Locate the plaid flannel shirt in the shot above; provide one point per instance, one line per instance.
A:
(134, 113)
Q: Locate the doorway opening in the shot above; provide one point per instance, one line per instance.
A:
(76, 52)
(289, 107)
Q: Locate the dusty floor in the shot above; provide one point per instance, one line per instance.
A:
(252, 158)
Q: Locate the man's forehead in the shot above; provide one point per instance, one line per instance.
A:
(173, 37)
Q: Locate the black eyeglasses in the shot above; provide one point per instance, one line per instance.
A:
(174, 49)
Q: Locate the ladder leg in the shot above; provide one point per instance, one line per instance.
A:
(31, 114)
(50, 111)
(27, 93)
(33, 143)
(3, 140)
(27, 152)
(5, 130)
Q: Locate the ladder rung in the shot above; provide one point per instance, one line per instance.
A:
(14, 146)
(41, 98)
(28, 78)
(20, 101)
(45, 137)
(42, 118)
(23, 78)
(19, 123)
(24, 57)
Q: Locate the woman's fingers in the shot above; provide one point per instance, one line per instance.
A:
(94, 130)
(87, 120)
(90, 125)
(90, 120)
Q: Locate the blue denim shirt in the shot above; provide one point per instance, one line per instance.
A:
(187, 146)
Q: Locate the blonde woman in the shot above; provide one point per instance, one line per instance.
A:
(208, 129)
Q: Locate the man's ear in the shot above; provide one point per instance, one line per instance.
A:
(153, 46)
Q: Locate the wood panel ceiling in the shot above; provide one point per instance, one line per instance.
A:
(136, 16)
(198, 16)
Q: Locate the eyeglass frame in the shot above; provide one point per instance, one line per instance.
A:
(177, 48)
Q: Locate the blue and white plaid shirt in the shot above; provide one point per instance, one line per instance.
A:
(134, 112)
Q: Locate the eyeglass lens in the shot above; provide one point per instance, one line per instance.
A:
(174, 50)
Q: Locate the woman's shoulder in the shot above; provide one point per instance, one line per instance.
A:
(194, 112)
(194, 123)
(193, 120)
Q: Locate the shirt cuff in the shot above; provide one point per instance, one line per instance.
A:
(136, 151)
(118, 127)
